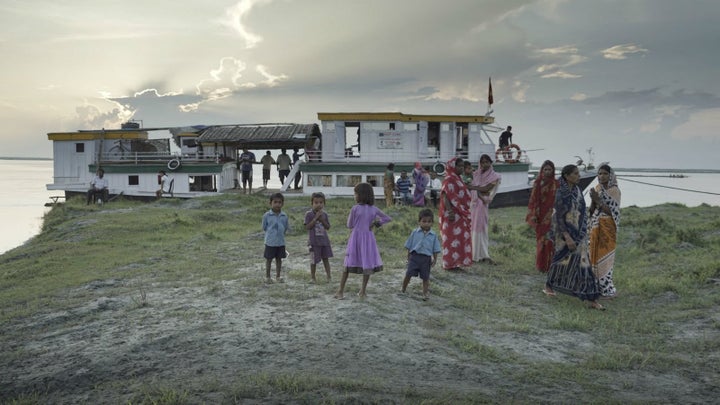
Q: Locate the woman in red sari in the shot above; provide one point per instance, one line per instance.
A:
(539, 216)
(454, 218)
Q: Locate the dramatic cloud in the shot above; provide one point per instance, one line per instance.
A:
(234, 19)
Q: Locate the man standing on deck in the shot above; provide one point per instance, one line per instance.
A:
(505, 141)
(298, 175)
(267, 162)
(245, 162)
(283, 165)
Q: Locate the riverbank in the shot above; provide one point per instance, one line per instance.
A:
(165, 303)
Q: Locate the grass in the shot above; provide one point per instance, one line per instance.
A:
(187, 265)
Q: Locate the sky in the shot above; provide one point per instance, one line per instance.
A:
(635, 80)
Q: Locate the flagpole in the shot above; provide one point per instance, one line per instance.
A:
(490, 97)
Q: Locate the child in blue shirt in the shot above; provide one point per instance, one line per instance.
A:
(423, 247)
(275, 224)
(403, 187)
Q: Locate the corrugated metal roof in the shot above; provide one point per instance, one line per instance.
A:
(261, 135)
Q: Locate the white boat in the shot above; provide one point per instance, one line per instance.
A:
(344, 150)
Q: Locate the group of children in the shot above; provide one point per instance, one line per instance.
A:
(362, 253)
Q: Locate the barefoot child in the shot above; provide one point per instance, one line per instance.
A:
(275, 224)
(317, 224)
(362, 256)
(423, 247)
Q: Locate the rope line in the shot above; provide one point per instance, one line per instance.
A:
(674, 188)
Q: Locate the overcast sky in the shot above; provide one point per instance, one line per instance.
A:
(636, 80)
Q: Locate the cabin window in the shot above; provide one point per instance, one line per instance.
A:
(133, 180)
(352, 139)
(445, 127)
(330, 126)
(80, 147)
(392, 126)
(411, 127)
(319, 180)
(375, 181)
(348, 180)
(474, 128)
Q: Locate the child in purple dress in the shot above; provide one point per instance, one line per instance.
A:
(317, 224)
(363, 255)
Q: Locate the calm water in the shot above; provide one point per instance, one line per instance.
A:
(24, 194)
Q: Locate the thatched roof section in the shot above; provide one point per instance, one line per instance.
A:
(260, 136)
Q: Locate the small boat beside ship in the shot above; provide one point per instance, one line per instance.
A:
(346, 148)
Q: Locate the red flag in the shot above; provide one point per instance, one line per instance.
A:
(490, 97)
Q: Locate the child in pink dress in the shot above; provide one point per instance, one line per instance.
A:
(363, 255)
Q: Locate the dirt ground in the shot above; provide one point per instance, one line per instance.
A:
(202, 340)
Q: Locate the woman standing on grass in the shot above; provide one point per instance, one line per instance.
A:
(570, 272)
(485, 183)
(454, 218)
(604, 222)
(539, 216)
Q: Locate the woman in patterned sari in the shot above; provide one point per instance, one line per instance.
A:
(454, 218)
(570, 272)
(539, 216)
(604, 222)
(485, 183)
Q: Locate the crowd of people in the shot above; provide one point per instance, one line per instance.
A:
(575, 245)
(283, 163)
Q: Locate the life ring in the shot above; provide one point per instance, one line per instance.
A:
(173, 164)
(507, 154)
(439, 168)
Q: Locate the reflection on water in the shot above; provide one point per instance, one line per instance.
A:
(645, 190)
(22, 199)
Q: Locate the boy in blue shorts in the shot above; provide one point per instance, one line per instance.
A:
(423, 247)
(275, 224)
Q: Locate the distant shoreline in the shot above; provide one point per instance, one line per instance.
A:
(23, 158)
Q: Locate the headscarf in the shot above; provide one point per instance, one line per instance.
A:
(483, 178)
(610, 195)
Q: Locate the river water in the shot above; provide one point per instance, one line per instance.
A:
(24, 193)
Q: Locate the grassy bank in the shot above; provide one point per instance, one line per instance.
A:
(165, 303)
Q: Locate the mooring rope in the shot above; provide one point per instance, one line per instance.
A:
(660, 185)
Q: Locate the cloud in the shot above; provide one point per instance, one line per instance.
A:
(155, 93)
(578, 97)
(703, 124)
(619, 52)
(560, 75)
(562, 57)
(234, 19)
(90, 116)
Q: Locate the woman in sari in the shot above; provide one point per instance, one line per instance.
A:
(570, 272)
(420, 181)
(539, 216)
(486, 182)
(604, 222)
(454, 218)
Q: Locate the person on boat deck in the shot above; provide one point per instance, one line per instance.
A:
(98, 187)
(505, 138)
(403, 187)
(267, 162)
(283, 165)
(298, 175)
(505, 141)
(246, 161)
(163, 184)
